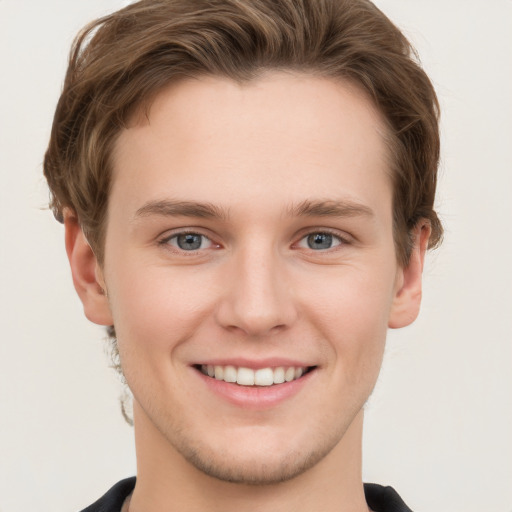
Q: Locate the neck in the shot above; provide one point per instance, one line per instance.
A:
(166, 481)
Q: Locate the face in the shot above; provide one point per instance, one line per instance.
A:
(251, 271)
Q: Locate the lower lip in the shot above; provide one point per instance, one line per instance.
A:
(255, 397)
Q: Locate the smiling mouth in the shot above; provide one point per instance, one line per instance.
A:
(249, 377)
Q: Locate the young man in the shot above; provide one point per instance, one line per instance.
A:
(247, 190)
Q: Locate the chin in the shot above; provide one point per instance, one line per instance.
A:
(255, 470)
(262, 459)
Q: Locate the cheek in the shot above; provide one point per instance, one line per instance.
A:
(157, 310)
(352, 314)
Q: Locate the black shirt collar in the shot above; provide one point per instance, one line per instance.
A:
(379, 498)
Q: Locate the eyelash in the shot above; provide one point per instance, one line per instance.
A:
(165, 242)
(335, 236)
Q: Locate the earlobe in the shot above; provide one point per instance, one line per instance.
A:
(407, 299)
(86, 272)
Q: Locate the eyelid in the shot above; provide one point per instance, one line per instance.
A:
(165, 238)
(343, 238)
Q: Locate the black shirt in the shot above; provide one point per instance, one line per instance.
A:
(379, 498)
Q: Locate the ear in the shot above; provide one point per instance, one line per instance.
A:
(87, 274)
(407, 300)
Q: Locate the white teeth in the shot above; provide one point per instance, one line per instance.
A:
(245, 377)
(229, 374)
(279, 375)
(219, 372)
(264, 377)
(289, 375)
(249, 377)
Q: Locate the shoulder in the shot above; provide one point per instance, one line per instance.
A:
(113, 500)
(384, 499)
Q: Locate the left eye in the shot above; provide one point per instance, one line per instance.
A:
(189, 241)
(320, 241)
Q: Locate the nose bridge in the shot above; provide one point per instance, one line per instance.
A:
(258, 298)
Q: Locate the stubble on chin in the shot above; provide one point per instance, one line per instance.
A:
(255, 473)
(256, 470)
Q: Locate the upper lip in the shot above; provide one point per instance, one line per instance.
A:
(273, 362)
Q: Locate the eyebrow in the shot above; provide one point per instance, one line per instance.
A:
(183, 209)
(330, 208)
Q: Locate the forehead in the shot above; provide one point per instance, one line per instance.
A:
(284, 136)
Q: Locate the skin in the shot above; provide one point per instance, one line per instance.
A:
(267, 157)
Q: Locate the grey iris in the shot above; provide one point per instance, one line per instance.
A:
(189, 241)
(320, 241)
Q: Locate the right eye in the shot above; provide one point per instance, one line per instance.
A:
(189, 241)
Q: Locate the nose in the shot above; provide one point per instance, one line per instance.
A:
(258, 298)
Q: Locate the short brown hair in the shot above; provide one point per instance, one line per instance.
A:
(120, 62)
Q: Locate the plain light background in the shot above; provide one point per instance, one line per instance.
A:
(439, 424)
